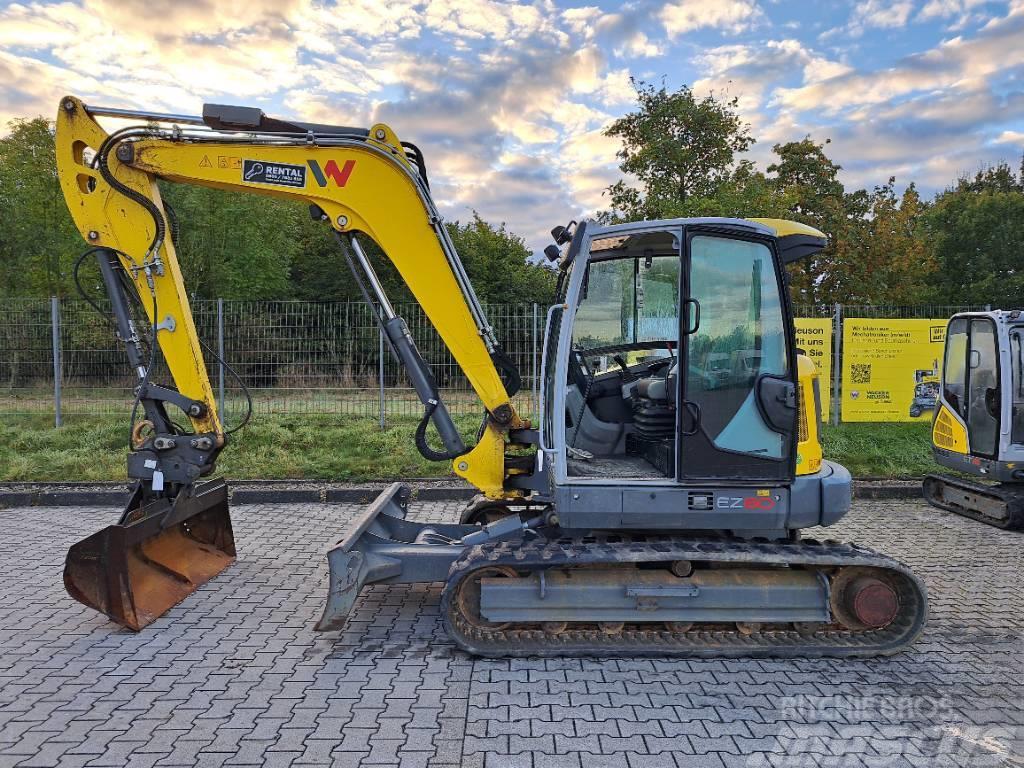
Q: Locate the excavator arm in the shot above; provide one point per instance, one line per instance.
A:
(357, 181)
(175, 532)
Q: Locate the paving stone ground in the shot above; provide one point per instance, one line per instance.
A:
(236, 676)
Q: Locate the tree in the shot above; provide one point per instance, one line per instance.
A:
(680, 148)
(889, 260)
(38, 241)
(234, 246)
(976, 233)
(810, 180)
(499, 265)
(746, 192)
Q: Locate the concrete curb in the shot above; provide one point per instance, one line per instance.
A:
(300, 492)
(887, 491)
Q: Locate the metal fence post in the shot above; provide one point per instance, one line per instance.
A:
(533, 365)
(837, 358)
(380, 376)
(220, 361)
(57, 367)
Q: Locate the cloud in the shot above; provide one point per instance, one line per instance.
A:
(750, 71)
(950, 65)
(501, 133)
(688, 15)
(885, 14)
(484, 18)
(509, 100)
(1010, 137)
(944, 9)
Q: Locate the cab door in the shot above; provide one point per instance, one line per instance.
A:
(738, 418)
(970, 381)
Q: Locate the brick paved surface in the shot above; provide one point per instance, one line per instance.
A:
(235, 676)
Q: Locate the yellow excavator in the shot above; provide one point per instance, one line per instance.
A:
(655, 509)
(978, 427)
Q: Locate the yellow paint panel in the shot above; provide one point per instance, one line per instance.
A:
(785, 227)
(814, 337)
(377, 197)
(948, 433)
(808, 449)
(121, 224)
(365, 187)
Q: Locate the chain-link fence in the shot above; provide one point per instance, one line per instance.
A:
(294, 356)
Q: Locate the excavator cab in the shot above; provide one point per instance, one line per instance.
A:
(652, 310)
(978, 427)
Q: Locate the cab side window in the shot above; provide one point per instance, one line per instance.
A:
(954, 374)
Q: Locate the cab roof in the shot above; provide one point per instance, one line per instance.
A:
(795, 240)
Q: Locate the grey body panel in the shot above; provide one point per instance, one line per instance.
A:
(1003, 471)
(383, 547)
(818, 499)
(656, 596)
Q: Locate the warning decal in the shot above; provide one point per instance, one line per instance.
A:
(278, 174)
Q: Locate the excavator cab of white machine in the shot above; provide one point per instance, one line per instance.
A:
(978, 428)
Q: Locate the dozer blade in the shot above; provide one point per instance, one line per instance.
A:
(155, 557)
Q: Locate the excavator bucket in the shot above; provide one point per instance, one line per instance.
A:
(156, 556)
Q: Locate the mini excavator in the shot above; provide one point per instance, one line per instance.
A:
(978, 428)
(655, 509)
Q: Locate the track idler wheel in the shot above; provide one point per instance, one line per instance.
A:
(484, 511)
(863, 599)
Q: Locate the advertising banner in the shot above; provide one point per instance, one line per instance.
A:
(891, 369)
(814, 337)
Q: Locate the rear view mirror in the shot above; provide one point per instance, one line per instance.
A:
(975, 359)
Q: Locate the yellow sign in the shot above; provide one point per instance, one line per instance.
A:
(814, 337)
(891, 369)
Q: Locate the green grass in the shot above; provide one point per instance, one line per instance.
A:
(881, 450)
(272, 447)
(345, 448)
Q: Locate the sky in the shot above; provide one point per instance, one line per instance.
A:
(509, 100)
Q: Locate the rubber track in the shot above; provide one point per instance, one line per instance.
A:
(1012, 497)
(638, 640)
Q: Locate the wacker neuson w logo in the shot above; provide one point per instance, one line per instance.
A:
(331, 171)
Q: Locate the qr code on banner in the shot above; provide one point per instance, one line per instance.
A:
(860, 373)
